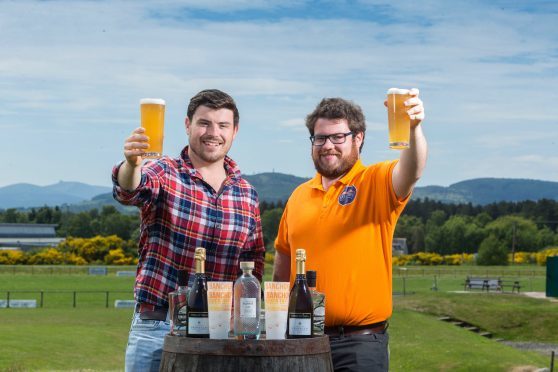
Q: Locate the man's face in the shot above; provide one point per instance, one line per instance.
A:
(211, 133)
(334, 160)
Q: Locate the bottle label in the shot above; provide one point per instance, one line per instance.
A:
(247, 307)
(319, 320)
(300, 324)
(182, 315)
(198, 323)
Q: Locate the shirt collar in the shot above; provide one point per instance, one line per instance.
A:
(316, 182)
(233, 172)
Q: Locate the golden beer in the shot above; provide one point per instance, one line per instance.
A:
(153, 120)
(399, 122)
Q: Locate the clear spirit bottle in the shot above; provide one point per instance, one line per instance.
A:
(178, 303)
(318, 300)
(247, 304)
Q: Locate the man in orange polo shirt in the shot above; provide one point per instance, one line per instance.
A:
(345, 218)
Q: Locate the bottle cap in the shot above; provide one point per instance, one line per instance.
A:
(311, 278)
(247, 265)
(200, 254)
(300, 254)
(183, 278)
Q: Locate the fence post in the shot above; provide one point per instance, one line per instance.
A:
(74, 298)
(106, 299)
(404, 286)
(42, 293)
(8, 298)
(552, 361)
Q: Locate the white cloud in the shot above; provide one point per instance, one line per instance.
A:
(79, 66)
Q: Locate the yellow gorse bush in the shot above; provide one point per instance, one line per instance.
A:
(425, 258)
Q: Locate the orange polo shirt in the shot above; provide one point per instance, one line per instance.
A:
(347, 233)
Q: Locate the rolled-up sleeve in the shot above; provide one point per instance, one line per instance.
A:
(146, 192)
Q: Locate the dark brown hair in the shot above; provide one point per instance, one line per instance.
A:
(338, 108)
(214, 99)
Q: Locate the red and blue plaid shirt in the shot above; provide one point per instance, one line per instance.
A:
(180, 212)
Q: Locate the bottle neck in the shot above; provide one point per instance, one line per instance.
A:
(200, 266)
(300, 264)
(247, 272)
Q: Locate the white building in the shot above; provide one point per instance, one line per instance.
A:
(399, 247)
(25, 236)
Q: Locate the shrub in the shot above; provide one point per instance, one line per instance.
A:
(492, 251)
(48, 256)
(117, 257)
(10, 257)
(542, 255)
(269, 258)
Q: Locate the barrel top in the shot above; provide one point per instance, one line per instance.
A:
(262, 347)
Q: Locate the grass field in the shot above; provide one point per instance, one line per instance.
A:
(92, 337)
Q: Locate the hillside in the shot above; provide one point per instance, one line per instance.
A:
(489, 190)
(24, 195)
(273, 187)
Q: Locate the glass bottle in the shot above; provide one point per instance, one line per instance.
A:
(198, 320)
(178, 303)
(318, 300)
(301, 308)
(247, 304)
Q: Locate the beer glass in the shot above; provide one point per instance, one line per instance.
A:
(153, 120)
(399, 122)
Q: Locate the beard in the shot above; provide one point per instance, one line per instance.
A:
(201, 152)
(343, 164)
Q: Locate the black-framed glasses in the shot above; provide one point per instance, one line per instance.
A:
(335, 138)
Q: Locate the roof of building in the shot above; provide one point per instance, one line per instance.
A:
(27, 230)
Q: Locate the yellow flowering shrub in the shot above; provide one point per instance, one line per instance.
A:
(522, 257)
(542, 255)
(117, 257)
(11, 257)
(269, 258)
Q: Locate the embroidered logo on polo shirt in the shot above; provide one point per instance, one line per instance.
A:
(348, 195)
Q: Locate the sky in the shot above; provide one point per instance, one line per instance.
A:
(72, 74)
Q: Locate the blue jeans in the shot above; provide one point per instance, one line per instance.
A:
(145, 344)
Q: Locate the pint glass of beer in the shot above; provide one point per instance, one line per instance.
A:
(153, 120)
(399, 122)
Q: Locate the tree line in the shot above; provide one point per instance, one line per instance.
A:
(492, 230)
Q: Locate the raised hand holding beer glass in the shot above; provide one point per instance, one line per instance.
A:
(404, 111)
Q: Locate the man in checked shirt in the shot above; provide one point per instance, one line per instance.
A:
(198, 199)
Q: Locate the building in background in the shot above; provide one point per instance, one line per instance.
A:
(25, 236)
(399, 247)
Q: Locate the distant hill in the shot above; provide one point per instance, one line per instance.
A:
(272, 187)
(23, 195)
(489, 190)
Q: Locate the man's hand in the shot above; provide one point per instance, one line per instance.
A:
(415, 108)
(135, 146)
(129, 174)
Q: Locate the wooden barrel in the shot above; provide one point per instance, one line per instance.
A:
(195, 354)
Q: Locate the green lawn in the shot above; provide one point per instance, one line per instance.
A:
(92, 337)
(419, 342)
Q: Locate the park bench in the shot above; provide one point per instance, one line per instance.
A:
(483, 284)
(514, 284)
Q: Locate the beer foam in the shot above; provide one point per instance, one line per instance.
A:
(397, 91)
(152, 101)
